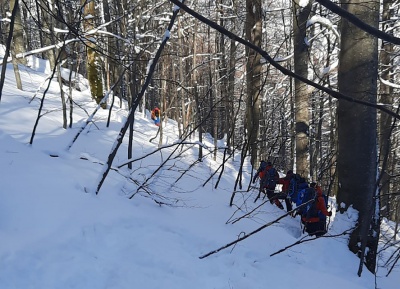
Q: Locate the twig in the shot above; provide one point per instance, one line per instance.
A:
(255, 231)
(303, 241)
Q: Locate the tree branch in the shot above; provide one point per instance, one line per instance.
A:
(333, 93)
(358, 22)
(306, 240)
(255, 231)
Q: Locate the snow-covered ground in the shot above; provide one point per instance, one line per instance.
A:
(55, 233)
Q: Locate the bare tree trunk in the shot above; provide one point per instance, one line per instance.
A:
(94, 70)
(198, 113)
(62, 95)
(230, 142)
(357, 129)
(181, 81)
(253, 29)
(162, 107)
(17, 45)
(386, 97)
(300, 17)
(199, 121)
(396, 218)
(212, 104)
(8, 49)
(18, 34)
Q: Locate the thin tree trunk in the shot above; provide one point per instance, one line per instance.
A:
(62, 95)
(8, 49)
(199, 120)
(17, 44)
(386, 97)
(181, 80)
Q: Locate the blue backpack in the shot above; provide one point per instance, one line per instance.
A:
(262, 167)
(297, 184)
(310, 210)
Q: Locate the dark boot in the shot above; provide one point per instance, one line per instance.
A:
(278, 204)
(288, 203)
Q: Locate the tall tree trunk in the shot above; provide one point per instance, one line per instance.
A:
(18, 34)
(17, 44)
(386, 97)
(199, 120)
(62, 95)
(230, 114)
(223, 75)
(181, 80)
(211, 103)
(46, 8)
(7, 50)
(253, 29)
(109, 61)
(94, 70)
(357, 127)
(300, 17)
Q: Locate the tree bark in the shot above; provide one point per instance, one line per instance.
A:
(17, 45)
(300, 17)
(94, 69)
(7, 50)
(357, 126)
(253, 29)
(386, 97)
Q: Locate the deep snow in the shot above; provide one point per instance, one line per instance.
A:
(56, 233)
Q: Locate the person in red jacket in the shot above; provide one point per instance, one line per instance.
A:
(155, 116)
(285, 182)
(268, 180)
(316, 225)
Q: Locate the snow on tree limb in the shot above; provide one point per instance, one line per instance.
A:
(267, 57)
(358, 22)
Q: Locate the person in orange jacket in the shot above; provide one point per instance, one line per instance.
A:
(268, 187)
(285, 182)
(316, 225)
(156, 115)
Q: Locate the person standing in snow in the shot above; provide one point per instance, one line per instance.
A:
(156, 115)
(268, 179)
(315, 224)
(285, 182)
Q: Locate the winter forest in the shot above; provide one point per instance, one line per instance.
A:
(310, 85)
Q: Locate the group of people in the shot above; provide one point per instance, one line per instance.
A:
(295, 190)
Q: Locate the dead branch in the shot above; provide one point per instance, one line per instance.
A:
(255, 231)
(159, 149)
(249, 213)
(311, 239)
(240, 209)
(393, 259)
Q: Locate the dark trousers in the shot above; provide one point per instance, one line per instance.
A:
(283, 196)
(316, 228)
